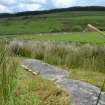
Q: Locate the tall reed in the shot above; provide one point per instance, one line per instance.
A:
(72, 55)
(8, 67)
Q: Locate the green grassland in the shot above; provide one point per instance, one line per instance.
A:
(90, 37)
(79, 37)
(53, 22)
(47, 26)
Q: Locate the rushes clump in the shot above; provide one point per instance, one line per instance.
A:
(8, 67)
(72, 55)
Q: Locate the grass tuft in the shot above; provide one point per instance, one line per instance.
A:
(72, 55)
(85, 62)
(8, 67)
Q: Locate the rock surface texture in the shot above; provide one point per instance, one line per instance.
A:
(82, 93)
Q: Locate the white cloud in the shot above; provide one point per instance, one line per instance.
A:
(32, 1)
(4, 9)
(31, 5)
(8, 2)
(63, 3)
(26, 7)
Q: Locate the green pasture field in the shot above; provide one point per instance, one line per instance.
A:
(91, 37)
(71, 21)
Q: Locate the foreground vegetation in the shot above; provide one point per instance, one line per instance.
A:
(8, 67)
(19, 87)
(33, 90)
(67, 21)
(84, 61)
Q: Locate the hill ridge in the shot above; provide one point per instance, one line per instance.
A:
(77, 8)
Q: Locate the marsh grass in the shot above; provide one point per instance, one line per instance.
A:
(19, 87)
(71, 55)
(8, 67)
(85, 62)
(33, 90)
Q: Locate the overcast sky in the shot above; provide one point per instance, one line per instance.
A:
(11, 6)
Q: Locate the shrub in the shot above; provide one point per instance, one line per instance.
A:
(55, 30)
(76, 28)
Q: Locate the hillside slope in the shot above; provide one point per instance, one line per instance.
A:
(51, 21)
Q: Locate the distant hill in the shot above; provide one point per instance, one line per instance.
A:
(26, 13)
(73, 19)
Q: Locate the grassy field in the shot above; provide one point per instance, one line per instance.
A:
(89, 76)
(55, 38)
(52, 22)
(91, 37)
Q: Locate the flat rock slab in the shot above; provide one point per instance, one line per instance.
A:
(47, 71)
(82, 93)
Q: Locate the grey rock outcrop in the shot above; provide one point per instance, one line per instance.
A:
(82, 93)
